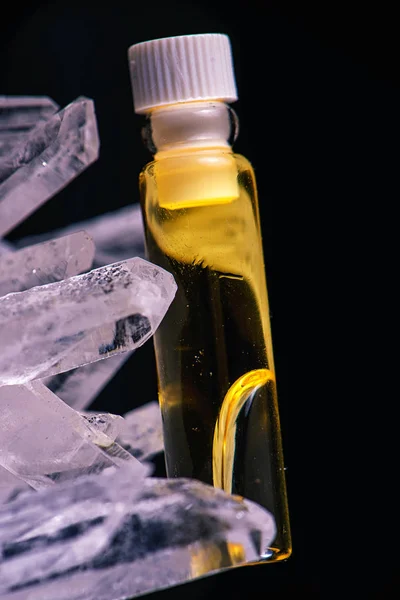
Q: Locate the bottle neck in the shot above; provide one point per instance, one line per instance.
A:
(191, 126)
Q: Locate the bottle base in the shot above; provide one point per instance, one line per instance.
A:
(272, 555)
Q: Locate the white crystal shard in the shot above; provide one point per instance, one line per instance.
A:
(59, 543)
(118, 235)
(46, 263)
(53, 153)
(42, 440)
(59, 326)
(79, 387)
(141, 431)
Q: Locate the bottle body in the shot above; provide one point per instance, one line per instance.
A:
(213, 349)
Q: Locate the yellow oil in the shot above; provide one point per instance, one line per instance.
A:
(214, 556)
(213, 348)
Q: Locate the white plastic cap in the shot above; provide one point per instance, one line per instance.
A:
(185, 68)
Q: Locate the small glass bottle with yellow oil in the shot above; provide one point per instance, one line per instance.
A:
(213, 349)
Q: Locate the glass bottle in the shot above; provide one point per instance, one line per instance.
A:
(215, 367)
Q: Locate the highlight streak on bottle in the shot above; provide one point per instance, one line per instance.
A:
(236, 397)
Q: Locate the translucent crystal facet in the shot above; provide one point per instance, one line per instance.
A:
(52, 154)
(59, 326)
(42, 440)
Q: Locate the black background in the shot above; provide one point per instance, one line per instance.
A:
(319, 97)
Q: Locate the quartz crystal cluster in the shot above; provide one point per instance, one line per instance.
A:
(81, 516)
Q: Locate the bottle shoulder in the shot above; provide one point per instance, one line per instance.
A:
(208, 158)
(198, 179)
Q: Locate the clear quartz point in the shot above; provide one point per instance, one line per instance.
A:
(50, 156)
(60, 326)
(43, 441)
(114, 536)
